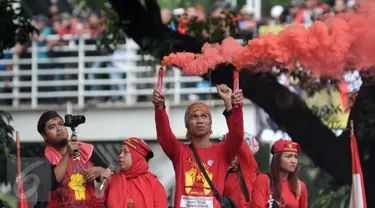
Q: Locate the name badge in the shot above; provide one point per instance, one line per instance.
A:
(197, 202)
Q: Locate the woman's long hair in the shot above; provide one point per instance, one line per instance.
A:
(274, 173)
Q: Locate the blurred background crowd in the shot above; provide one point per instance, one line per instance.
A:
(210, 23)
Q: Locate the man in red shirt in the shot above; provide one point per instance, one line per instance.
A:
(192, 189)
(63, 181)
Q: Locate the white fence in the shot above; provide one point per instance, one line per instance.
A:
(70, 72)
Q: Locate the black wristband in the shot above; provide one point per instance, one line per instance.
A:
(227, 113)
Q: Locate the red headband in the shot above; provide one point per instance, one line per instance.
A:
(285, 146)
(140, 146)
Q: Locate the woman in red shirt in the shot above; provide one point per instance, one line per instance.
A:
(134, 185)
(281, 186)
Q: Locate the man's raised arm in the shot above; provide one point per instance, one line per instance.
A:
(167, 140)
(234, 116)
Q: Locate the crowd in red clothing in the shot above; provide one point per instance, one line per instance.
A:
(203, 174)
(207, 174)
(63, 23)
(243, 22)
(193, 21)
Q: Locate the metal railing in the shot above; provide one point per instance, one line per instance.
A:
(79, 72)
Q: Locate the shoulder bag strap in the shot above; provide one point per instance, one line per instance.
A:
(215, 192)
(226, 176)
(243, 185)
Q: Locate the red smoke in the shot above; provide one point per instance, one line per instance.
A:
(212, 55)
(324, 48)
(343, 41)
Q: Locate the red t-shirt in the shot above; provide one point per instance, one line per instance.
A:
(192, 190)
(73, 191)
(249, 170)
(261, 194)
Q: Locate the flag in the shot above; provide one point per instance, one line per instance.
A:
(22, 200)
(358, 196)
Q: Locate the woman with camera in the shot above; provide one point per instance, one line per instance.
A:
(134, 185)
(280, 187)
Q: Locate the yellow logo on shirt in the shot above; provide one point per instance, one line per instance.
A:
(78, 184)
(195, 179)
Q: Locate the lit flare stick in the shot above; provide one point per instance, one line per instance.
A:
(160, 79)
(236, 82)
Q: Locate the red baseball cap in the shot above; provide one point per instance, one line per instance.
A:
(285, 146)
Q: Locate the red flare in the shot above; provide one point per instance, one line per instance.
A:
(160, 79)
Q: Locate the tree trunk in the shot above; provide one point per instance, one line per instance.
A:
(363, 115)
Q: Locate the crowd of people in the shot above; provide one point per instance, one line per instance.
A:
(312, 10)
(296, 12)
(221, 16)
(208, 174)
(241, 24)
(60, 24)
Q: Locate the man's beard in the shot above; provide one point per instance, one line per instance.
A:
(59, 144)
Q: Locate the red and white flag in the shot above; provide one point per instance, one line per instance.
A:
(22, 200)
(358, 196)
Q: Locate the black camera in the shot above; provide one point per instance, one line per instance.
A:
(74, 120)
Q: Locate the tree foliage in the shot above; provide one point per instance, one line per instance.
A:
(333, 197)
(15, 26)
(6, 144)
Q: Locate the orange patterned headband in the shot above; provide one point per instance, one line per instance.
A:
(199, 106)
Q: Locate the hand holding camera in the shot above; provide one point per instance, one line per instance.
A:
(73, 146)
(73, 121)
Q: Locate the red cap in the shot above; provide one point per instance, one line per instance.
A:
(140, 146)
(285, 146)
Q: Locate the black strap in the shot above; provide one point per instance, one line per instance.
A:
(241, 182)
(243, 185)
(215, 192)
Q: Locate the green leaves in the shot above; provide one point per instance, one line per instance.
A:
(6, 131)
(337, 197)
(215, 29)
(326, 113)
(6, 143)
(114, 30)
(312, 84)
(15, 26)
(173, 4)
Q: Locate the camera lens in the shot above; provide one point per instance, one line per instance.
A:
(81, 119)
(74, 120)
